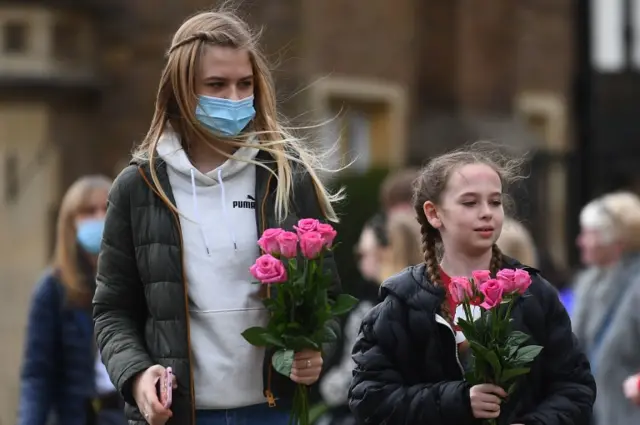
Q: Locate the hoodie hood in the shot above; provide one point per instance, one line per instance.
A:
(186, 178)
(170, 150)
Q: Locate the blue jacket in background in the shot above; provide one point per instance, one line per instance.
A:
(57, 374)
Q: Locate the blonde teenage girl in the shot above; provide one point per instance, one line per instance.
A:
(216, 168)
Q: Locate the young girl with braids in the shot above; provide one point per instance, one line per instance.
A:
(407, 353)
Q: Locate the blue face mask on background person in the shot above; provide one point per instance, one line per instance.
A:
(89, 235)
(224, 116)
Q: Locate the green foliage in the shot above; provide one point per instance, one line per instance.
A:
(499, 353)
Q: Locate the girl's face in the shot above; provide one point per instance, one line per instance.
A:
(469, 215)
(225, 72)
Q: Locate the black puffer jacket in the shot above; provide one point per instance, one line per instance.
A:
(407, 370)
(141, 302)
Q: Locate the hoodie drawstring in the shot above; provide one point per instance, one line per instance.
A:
(196, 211)
(224, 211)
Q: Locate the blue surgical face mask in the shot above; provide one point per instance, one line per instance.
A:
(89, 235)
(224, 116)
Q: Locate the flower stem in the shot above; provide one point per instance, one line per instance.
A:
(300, 408)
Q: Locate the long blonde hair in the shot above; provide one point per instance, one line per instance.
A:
(177, 100)
(65, 257)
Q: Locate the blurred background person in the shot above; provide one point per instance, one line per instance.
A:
(371, 247)
(606, 316)
(515, 241)
(396, 190)
(62, 377)
(405, 244)
(396, 246)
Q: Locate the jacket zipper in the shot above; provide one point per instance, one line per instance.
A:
(443, 322)
(267, 392)
(186, 300)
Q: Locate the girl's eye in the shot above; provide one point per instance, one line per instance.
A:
(246, 83)
(469, 203)
(496, 203)
(216, 85)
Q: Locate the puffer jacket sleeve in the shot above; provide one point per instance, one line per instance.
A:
(570, 386)
(119, 307)
(379, 392)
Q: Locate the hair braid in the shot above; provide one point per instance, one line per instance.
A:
(429, 239)
(496, 260)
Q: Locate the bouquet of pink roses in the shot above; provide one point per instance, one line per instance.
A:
(499, 352)
(301, 309)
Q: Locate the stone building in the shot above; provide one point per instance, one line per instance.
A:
(409, 78)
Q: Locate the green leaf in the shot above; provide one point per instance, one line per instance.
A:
(470, 377)
(282, 361)
(526, 355)
(517, 338)
(255, 336)
(509, 374)
(489, 355)
(299, 343)
(343, 304)
(293, 326)
(270, 304)
(468, 329)
(273, 340)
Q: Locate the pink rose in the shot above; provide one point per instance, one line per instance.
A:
(268, 269)
(460, 289)
(306, 225)
(311, 244)
(506, 278)
(288, 243)
(481, 276)
(522, 281)
(492, 291)
(269, 241)
(328, 234)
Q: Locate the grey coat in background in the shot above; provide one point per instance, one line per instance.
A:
(619, 354)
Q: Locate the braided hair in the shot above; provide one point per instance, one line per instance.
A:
(430, 185)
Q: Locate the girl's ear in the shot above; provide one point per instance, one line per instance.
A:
(431, 212)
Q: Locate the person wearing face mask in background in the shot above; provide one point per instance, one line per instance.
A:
(63, 379)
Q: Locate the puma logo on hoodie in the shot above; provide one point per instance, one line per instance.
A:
(219, 245)
(251, 203)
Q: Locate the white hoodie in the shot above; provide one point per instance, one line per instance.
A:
(219, 231)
